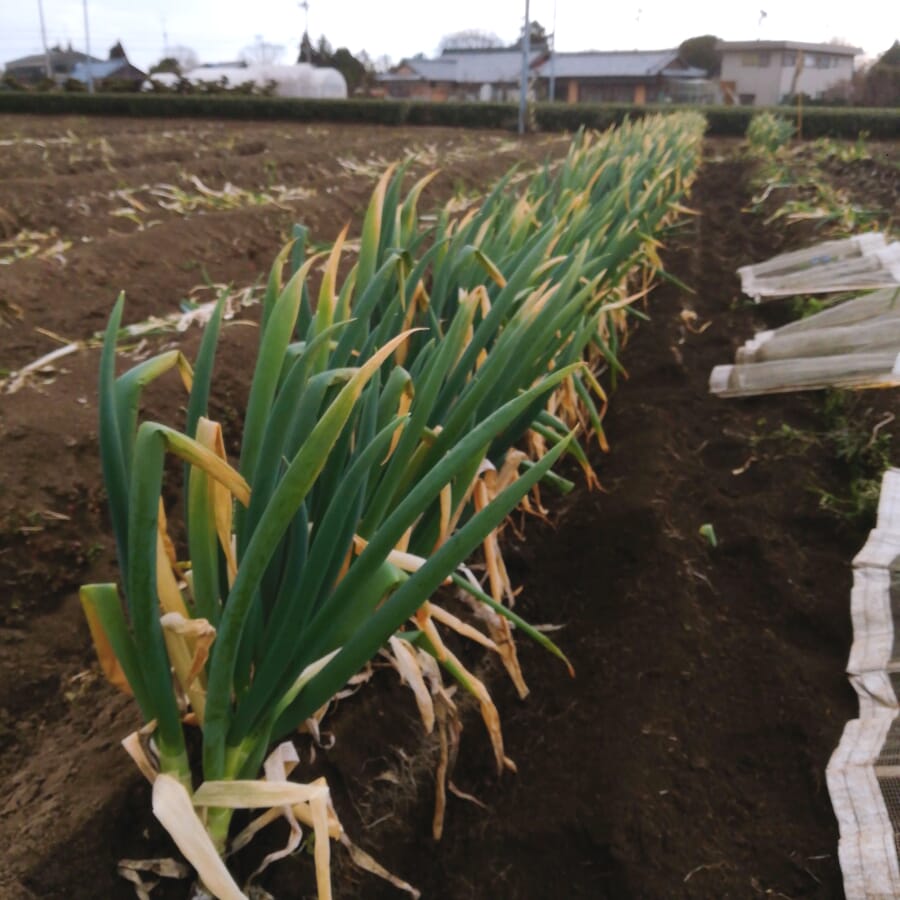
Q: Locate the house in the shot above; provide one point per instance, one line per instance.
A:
(67, 64)
(636, 76)
(32, 69)
(765, 73)
(489, 74)
(621, 76)
(109, 73)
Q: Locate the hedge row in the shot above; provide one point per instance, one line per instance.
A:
(732, 121)
(723, 120)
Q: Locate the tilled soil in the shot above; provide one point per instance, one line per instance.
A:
(685, 759)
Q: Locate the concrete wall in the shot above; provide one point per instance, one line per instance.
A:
(814, 80)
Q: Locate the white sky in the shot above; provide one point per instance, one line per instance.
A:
(218, 30)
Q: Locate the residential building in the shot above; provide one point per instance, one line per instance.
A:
(459, 75)
(116, 73)
(620, 76)
(31, 69)
(764, 73)
(67, 64)
(637, 76)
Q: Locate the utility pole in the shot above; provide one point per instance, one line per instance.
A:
(526, 53)
(47, 62)
(87, 42)
(305, 7)
(552, 96)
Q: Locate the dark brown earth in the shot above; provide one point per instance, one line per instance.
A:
(685, 760)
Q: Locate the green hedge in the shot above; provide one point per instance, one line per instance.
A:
(723, 120)
(730, 121)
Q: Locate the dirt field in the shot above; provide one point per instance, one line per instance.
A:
(685, 760)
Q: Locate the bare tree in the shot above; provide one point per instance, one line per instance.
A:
(382, 63)
(469, 39)
(185, 58)
(262, 53)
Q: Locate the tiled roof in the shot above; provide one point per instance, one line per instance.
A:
(505, 66)
(472, 66)
(99, 70)
(836, 49)
(62, 58)
(611, 64)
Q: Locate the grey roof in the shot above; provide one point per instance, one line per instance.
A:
(57, 58)
(499, 66)
(472, 66)
(99, 70)
(836, 49)
(398, 76)
(435, 69)
(612, 64)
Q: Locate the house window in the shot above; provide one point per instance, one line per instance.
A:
(746, 99)
(756, 59)
(789, 58)
(821, 60)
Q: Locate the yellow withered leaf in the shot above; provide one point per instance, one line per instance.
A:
(403, 407)
(439, 614)
(472, 684)
(322, 850)
(109, 664)
(187, 643)
(170, 599)
(403, 543)
(247, 794)
(422, 619)
(172, 806)
(136, 746)
(209, 435)
(191, 451)
(500, 583)
(327, 291)
(367, 863)
(405, 562)
(278, 766)
(446, 503)
(163, 528)
(405, 663)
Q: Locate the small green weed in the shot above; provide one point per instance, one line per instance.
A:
(854, 443)
(861, 447)
(804, 307)
(788, 440)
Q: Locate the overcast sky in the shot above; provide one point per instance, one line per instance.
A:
(218, 30)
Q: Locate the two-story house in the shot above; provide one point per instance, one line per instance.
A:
(764, 73)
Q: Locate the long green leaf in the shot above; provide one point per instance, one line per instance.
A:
(292, 489)
(406, 600)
